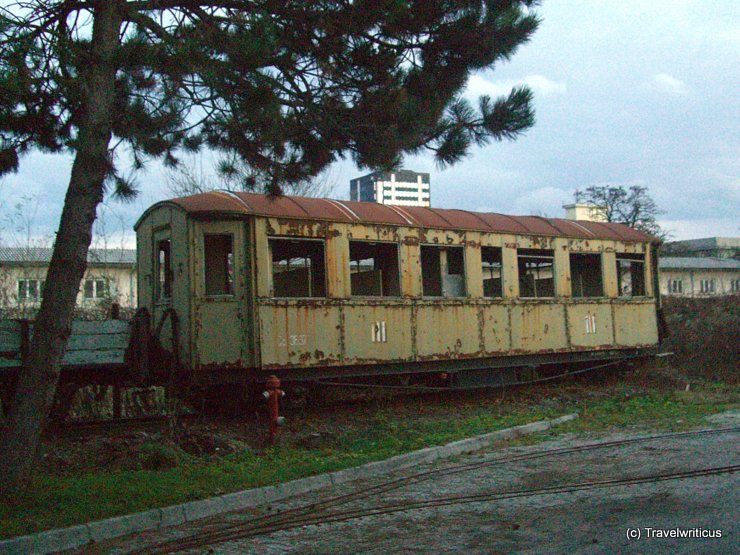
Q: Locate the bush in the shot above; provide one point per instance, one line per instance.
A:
(705, 335)
(159, 456)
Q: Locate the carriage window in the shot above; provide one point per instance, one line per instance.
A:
(631, 274)
(442, 271)
(373, 269)
(536, 278)
(585, 275)
(298, 268)
(491, 258)
(164, 270)
(218, 255)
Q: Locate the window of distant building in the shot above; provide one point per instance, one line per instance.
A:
(735, 285)
(707, 286)
(675, 286)
(95, 288)
(30, 290)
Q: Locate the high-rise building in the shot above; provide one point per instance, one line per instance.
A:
(402, 188)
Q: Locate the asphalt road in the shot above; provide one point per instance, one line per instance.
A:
(487, 503)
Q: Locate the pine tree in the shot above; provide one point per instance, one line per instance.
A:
(287, 87)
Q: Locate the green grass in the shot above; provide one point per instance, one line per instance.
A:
(58, 501)
(669, 412)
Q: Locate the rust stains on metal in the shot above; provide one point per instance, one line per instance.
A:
(213, 202)
(378, 213)
(303, 208)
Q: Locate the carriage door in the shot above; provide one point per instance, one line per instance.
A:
(219, 286)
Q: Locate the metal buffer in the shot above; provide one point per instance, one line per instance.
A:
(273, 395)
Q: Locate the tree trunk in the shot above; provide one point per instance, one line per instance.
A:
(39, 376)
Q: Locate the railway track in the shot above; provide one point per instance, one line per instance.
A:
(302, 397)
(330, 510)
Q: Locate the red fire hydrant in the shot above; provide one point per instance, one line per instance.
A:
(273, 395)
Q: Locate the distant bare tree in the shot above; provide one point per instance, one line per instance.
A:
(233, 175)
(18, 225)
(633, 206)
(19, 297)
(19, 231)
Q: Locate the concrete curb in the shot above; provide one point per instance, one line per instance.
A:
(78, 536)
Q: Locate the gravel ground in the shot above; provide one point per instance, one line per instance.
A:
(593, 521)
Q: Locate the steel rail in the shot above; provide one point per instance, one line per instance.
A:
(472, 387)
(294, 517)
(391, 508)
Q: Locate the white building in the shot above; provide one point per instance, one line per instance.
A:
(685, 276)
(704, 267)
(401, 188)
(110, 278)
(585, 211)
(713, 247)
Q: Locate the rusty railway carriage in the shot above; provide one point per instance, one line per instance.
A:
(314, 288)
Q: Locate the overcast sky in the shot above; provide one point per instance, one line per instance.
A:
(626, 92)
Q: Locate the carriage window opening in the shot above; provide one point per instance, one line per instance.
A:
(442, 271)
(298, 268)
(492, 285)
(374, 269)
(536, 278)
(585, 275)
(164, 270)
(631, 274)
(218, 256)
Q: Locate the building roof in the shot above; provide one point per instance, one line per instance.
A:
(705, 243)
(219, 203)
(40, 255)
(406, 176)
(697, 263)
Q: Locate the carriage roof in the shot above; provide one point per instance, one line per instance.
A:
(224, 203)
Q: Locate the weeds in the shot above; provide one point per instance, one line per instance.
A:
(162, 473)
